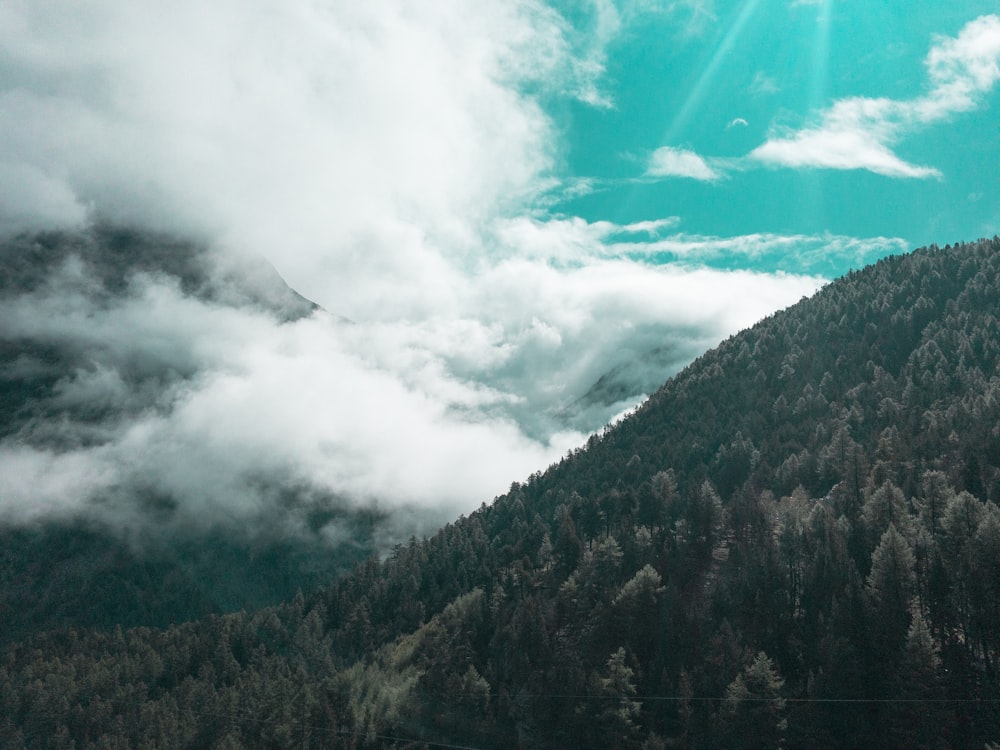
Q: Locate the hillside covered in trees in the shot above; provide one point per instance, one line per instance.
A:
(795, 542)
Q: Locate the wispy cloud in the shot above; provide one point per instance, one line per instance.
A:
(817, 254)
(860, 132)
(855, 134)
(700, 15)
(668, 161)
(763, 84)
(565, 241)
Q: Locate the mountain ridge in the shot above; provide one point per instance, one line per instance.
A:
(794, 541)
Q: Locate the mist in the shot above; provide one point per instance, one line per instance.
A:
(393, 162)
(215, 409)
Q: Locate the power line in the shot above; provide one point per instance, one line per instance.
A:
(714, 699)
(324, 729)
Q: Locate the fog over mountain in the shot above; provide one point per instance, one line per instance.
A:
(146, 371)
(487, 291)
(389, 164)
(795, 542)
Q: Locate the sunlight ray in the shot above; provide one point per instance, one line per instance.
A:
(705, 80)
(813, 193)
(696, 95)
(819, 70)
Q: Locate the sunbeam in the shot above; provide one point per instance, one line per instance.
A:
(821, 55)
(696, 96)
(813, 196)
(705, 80)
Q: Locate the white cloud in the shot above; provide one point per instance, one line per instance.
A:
(650, 227)
(961, 69)
(859, 132)
(40, 483)
(32, 198)
(700, 14)
(667, 161)
(839, 145)
(387, 158)
(332, 132)
(567, 242)
(437, 414)
(816, 254)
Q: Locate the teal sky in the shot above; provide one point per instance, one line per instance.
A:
(720, 79)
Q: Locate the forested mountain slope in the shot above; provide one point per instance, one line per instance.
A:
(796, 540)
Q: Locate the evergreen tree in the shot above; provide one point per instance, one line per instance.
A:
(920, 719)
(753, 711)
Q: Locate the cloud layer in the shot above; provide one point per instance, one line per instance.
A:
(390, 159)
(218, 409)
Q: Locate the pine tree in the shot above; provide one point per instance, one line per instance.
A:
(919, 720)
(618, 718)
(753, 710)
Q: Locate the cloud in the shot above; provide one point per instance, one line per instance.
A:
(660, 242)
(961, 70)
(859, 132)
(667, 161)
(215, 408)
(177, 410)
(701, 14)
(33, 198)
(318, 129)
(820, 254)
(763, 84)
(845, 141)
(392, 160)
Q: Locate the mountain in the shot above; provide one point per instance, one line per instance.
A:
(794, 542)
(619, 385)
(81, 377)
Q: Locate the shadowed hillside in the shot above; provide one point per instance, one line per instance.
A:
(795, 542)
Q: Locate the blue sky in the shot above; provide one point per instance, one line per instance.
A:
(704, 85)
(510, 199)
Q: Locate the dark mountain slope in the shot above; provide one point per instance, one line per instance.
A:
(112, 255)
(795, 541)
(64, 331)
(887, 349)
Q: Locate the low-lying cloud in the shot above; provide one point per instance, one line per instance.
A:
(392, 160)
(211, 408)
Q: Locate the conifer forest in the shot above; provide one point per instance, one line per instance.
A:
(794, 542)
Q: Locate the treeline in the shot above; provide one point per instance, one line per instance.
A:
(796, 542)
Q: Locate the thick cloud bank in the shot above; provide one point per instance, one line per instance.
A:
(392, 160)
(136, 392)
